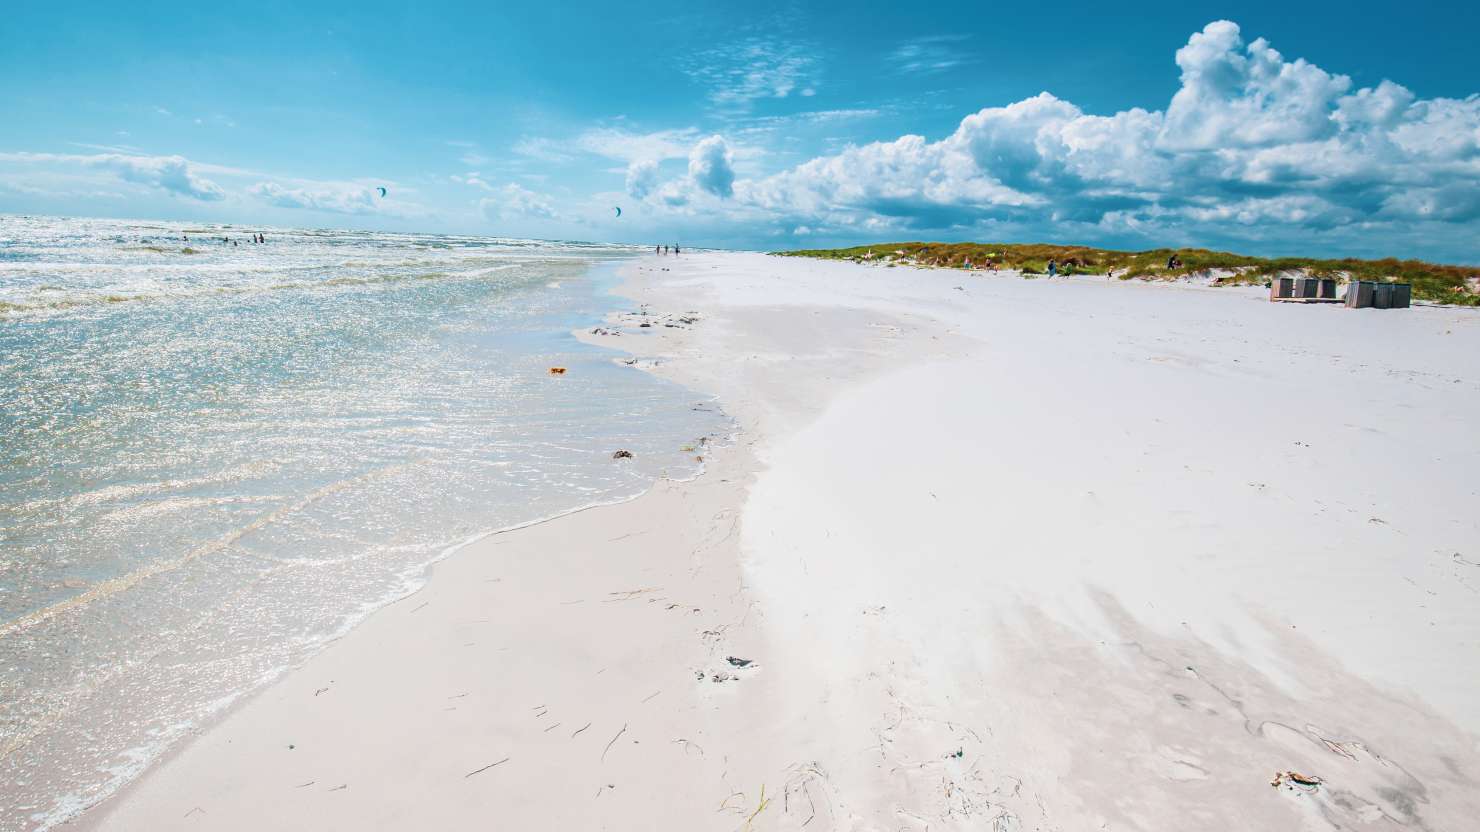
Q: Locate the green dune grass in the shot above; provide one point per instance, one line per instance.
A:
(1433, 282)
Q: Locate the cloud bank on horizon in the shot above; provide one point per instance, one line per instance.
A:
(1249, 141)
(1253, 150)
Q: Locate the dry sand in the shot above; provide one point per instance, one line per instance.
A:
(1002, 555)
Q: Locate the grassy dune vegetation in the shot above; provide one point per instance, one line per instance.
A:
(1438, 283)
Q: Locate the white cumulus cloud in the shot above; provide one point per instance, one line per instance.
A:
(642, 178)
(174, 174)
(712, 167)
(337, 199)
(1250, 139)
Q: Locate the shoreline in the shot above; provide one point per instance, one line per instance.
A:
(137, 759)
(727, 467)
(929, 618)
(729, 456)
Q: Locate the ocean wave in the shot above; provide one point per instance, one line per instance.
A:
(120, 583)
(124, 492)
(53, 304)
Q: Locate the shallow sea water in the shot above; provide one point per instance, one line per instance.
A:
(214, 461)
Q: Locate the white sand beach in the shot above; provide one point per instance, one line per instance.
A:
(985, 554)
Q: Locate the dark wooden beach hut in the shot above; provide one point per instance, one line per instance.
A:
(1376, 294)
(1359, 294)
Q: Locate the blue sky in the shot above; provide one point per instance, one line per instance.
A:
(1332, 128)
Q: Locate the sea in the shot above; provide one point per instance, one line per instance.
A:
(217, 455)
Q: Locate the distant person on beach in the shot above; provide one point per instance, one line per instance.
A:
(675, 250)
(1053, 268)
(657, 249)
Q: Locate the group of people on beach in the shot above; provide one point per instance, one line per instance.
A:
(664, 250)
(990, 265)
(257, 237)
